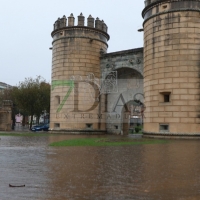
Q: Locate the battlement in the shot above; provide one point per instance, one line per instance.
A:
(70, 22)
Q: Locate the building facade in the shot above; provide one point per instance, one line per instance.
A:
(159, 85)
(4, 86)
(92, 91)
(172, 67)
(5, 110)
(6, 115)
(75, 68)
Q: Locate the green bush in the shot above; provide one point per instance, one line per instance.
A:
(137, 129)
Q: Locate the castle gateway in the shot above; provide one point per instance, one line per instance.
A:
(98, 92)
(92, 91)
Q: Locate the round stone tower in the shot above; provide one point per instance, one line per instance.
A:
(172, 67)
(75, 101)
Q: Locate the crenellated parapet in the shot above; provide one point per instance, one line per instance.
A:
(95, 30)
(91, 23)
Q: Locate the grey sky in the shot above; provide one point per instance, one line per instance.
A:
(26, 27)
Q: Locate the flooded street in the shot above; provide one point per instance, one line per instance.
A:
(141, 172)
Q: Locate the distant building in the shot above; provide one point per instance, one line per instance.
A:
(3, 86)
(5, 115)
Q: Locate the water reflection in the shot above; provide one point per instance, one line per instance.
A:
(167, 171)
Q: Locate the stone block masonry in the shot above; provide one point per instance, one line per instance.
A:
(5, 116)
(75, 67)
(171, 66)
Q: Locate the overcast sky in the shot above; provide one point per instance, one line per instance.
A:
(26, 27)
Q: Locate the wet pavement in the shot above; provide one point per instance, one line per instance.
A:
(142, 172)
(20, 128)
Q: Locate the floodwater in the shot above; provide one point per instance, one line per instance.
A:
(143, 172)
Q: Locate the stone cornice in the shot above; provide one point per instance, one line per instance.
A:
(170, 11)
(130, 51)
(81, 28)
(160, 1)
(67, 37)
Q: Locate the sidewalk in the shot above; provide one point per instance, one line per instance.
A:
(20, 128)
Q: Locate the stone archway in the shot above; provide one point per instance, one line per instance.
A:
(130, 83)
(132, 115)
(128, 73)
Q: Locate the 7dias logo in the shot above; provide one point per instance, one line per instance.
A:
(119, 93)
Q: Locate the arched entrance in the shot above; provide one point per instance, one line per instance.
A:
(132, 115)
(129, 86)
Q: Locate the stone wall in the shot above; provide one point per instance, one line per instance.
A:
(76, 74)
(124, 69)
(81, 70)
(171, 67)
(5, 116)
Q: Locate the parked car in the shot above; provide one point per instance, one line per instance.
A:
(40, 127)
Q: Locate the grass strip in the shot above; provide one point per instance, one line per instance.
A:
(105, 142)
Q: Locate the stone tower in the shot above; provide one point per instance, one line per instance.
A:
(172, 66)
(75, 101)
